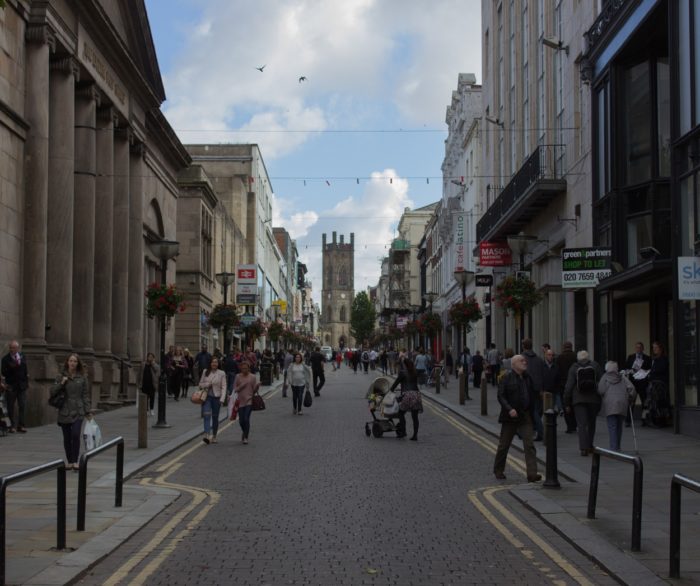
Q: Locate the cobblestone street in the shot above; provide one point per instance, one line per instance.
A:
(312, 500)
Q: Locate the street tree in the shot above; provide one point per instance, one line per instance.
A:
(362, 318)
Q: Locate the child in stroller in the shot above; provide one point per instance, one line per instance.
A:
(385, 402)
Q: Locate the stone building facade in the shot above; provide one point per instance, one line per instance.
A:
(88, 168)
(338, 290)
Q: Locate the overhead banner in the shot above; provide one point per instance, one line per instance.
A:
(459, 240)
(495, 254)
(585, 267)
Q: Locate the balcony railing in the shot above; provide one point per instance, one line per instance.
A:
(607, 17)
(533, 186)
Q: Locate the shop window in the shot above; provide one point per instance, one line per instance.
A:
(690, 354)
(663, 100)
(639, 234)
(637, 137)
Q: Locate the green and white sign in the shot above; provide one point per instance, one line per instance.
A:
(585, 267)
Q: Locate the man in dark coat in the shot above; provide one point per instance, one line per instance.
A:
(535, 367)
(317, 359)
(635, 362)
(564, 362)
(14, 370)
(516, 396)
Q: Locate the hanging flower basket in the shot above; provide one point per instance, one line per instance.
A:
(464, 313)
(288, 336)
(430, 324)
(517, 295)
(163, 301)
(223, 316)
(275, 330)
(254, 330)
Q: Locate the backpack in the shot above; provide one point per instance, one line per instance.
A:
(585, 379)
(365, 356)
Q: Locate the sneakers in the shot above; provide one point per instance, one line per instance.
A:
(205, 439)
(214, 440)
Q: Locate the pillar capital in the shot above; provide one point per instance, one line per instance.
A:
(89, 91)
(41, 34)
(66, 64)
(107, 113)
(137, 147)
(124, 133)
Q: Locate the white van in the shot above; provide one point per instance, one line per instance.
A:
(327, 352)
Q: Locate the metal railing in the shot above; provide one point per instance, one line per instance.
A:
(636, 494)
(6, 481)
(82, 477)
(674, 557)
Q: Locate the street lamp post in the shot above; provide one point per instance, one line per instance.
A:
(462, 276)
(164, 250)
(225, 279)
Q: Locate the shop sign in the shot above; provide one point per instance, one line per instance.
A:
(459, 240)
(401, 321)
(495, 254)
(688, 278)
(483, 280)
(585, 267)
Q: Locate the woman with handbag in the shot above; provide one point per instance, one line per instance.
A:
(75, 405)
(213, 381)
(299, 377)
(246, 386)
(410, 399)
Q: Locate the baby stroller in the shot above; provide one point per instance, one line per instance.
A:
(384, 408)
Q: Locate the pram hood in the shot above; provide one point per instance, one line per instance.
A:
(379, 386)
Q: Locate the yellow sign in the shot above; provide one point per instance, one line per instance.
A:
(282, 304)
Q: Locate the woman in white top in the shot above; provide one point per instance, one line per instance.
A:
(299, 376)
(214, 381)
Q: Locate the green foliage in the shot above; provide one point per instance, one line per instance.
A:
(517, 295)
(362, 318)
(463, 313)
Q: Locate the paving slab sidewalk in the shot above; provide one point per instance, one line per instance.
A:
(607, 539)
(31, 504)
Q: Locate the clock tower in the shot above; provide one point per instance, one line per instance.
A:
(338, 291)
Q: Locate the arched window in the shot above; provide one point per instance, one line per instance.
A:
(342, 276)
(329, 278)
(342, 313)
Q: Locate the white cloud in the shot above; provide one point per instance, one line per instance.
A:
(372, 217)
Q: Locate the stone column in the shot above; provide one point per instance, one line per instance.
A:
(120, 243)
(137, 169)
(104, 200)
(40, 42)
(87, 100)
(59, 266)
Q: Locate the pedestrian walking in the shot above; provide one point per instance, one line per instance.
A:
(214, 382)
(176, 372)
(317, 360)
(73, 384)
(187, 377)
(618, 394)
(535, 368)
(505, 363)
(550, 380)
(564, 362)
(449, 362)
(338, 359)
(246, 386)
(493, 357)
(288, 359)
(410, 399)
(201, 362)
(516, 396)
(365, 360)
(421, 365)
(149, 381)
(356, 360)
(299, 377)
(384, 361)
(581, 396)
(14, 371)
(477, 368)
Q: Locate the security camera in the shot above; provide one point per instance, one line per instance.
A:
(649, 252)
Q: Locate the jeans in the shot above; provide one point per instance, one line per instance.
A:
(210, 412)
(615, 423)
(244, 419)
(319, 381)
(508, 430)
(586, 414)
(18, 395)
(71, 440)
(297, 397)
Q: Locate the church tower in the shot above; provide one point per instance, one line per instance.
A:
(338, 291)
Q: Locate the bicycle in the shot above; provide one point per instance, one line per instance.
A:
(441, 373)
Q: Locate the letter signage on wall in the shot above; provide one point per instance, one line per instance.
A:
(688, 277)
(459, 240)
(495, 254)
(584, 267)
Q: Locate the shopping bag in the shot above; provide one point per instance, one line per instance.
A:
(258, 403)
(92, 434)
(234, 411)
(308, 399)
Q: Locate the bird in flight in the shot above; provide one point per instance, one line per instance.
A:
(260, 69)
(302, 78)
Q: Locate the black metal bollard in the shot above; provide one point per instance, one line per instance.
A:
(552, 472)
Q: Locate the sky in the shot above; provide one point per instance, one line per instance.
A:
(353, 144)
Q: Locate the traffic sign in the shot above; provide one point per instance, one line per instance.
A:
(483, 280)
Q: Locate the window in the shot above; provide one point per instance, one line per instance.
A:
(637, 138)
(207, 246)
(342, 313)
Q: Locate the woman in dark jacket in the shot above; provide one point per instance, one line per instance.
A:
(73, 383)
(149, 380)
(410, 398)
